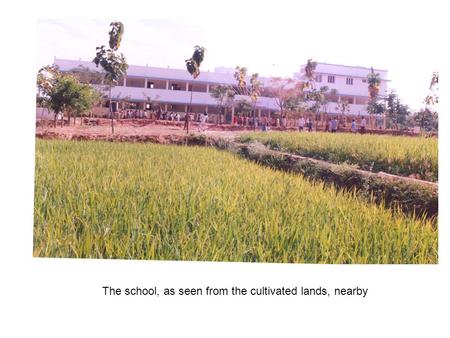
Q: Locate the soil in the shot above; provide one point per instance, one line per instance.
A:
(130, 130)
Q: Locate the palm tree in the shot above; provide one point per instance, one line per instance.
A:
(374, 81)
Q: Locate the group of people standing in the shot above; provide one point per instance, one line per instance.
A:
(331, 125)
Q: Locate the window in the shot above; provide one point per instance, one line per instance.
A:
(318, 78)
(150, 85)
(330, 78)
(349, 81)
(364, 80)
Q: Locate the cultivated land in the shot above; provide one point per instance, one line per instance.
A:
(146, 201)
(398, 155)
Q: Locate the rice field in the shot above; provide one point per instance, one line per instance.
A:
(146, 201)
(398, 155)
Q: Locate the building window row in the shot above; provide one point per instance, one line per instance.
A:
(332, 79)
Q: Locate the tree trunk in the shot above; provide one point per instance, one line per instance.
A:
(189, 111)
(110, 110)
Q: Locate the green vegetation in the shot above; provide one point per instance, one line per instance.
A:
(396, 155)
(144, 201)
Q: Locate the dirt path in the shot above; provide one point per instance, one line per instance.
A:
(133, 132)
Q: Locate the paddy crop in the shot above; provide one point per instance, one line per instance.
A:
(398, 155)
(144, 201)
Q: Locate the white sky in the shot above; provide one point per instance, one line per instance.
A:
(272, 38)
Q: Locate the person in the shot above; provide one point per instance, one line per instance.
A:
(301, 123)
(334, 125)
(309, 124)
(327, 125)
(363, 125)
(187, 119)
(284, 122)
(60, 119)
(353, 126)
(203, 119)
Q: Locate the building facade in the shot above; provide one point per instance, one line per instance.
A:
(350, 82)
(174, 89)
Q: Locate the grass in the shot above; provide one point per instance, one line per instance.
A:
(144, 201)
(398, 155)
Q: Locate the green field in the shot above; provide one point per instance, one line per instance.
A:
(144, 201)
(398, 155)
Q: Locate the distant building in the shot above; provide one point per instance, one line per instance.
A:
(350, 83)
(171, 88)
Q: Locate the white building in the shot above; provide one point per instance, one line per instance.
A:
(350, 83)
(171, 88)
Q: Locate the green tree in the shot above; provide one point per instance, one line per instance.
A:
(70, 96)
(193, 67)
(426, 119)
(46, 79)
(255, 93)
(243, 107)
(86, 75)
(318, 99)
(113, 63)
(224, 95)
(396, 112)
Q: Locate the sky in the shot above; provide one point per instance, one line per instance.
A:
(271, 39)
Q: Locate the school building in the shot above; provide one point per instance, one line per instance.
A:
(171, 88)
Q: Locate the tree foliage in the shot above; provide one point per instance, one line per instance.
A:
(286, 93)
(113, 63)
(70, 96)
(193, 63)
(426, 119)
(243, 107)
(396, 112)
(373, 81)
(224, 95)
(310, 69)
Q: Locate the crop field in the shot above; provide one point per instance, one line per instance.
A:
(398, 155)
(146, 201)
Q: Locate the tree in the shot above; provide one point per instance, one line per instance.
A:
(113, 63)
(70, 96)
(373, 81)
(193, 67)
(224, 95)
(310, 69)
(432, 98)
(45, 81)
(255, 93)
(240, 75)
(318, 98)
(243, 107)
(396, 112)
(286, 93)
(342, 107)
(426, 119)
(376, 107)
(86, 75)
